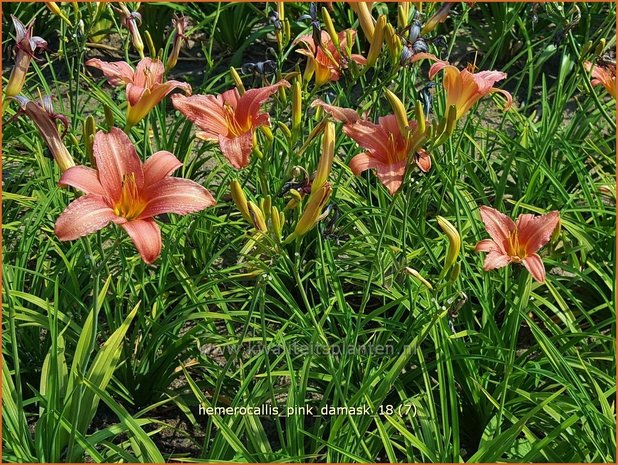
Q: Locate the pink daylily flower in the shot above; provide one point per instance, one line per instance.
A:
(516, 242)
(388, 150)
(145, 86)
(603, 75)
(26, 45)
(464, 88)
(229, 118)
(327, 68)
(125, 191)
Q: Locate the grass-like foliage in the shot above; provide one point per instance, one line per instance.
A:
(335, 232)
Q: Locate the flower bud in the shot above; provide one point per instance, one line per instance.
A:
(393, 43)
(419, 277)
(377, 41)
(400, 112)
(55, 9)
(326, 159)
(437, 18)
(330, 28)
(296, 105)
(238, 196)
(364, 18)
(317, 201)
(237, 80)
(454, 244)
(403, 13)
(257, 217)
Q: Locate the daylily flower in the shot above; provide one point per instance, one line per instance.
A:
(44, 117)
(125, 191)
(229, 118)
(464, 88)
(26, 45)
(145, 86)
(388, 150)
(324, 59)
(131, 20)
(516, 242)
(180, 25)
(603, 75)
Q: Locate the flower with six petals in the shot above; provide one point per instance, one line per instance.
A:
(145, 86)
(229, 118)
(387, 149)
(125, 191)
(325, 59)
(516, 241)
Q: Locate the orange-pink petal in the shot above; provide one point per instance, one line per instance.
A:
(146, 236)
(498, 225)
(176, 195)
(116, 156)
(486, 245)
(535, 231)
(83, 216)
(117, 72)
(237, 149)
(370, 136)
(159, 166)
(495, 259)
(83, 178)
(206, 111)
(344, 115)
(250, 102)
(391, 175)
(534, 265)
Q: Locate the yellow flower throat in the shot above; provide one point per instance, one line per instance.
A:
(130, 205)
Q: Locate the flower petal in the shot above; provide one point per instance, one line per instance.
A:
(159, 166)
(534, 265)
(423, 160)
(176, 195)
(237, 149)
(389, 175)
(535, 231)
(486, 245)
(150, 97)
(495, 259)
(250, 102)
(206, 111)
(83, 216)
(146, 236)
(370, 136)
(344, 115)
(148, 73)
(498, 225)
(83, 178)
(116, 156)
(117, 72)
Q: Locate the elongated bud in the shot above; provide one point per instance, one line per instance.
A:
(238, 196)
(287, 30)
(317, 201)
(403, 12)
(454, 244)
(237, 81)
(297, 100)
(55, 9)
(326, 159)
(438, 18)
(330, 28)
(257, 217)
(152, 50)
(275, 219)
(392, 42)
(312, 135)
(89, 132)
(109, 116)
(268, 134)
(419, 277)
(400, 112)
(364, 18)
(266, 205)
(377, 41)
(286, 131)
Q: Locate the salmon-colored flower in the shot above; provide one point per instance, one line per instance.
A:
(516, 242)
(44, 117)
(603, 75)
(229, 118)
(125, 191)
(388, 150)
(26, 45)
(145, 86)
(464, 88)
(325, 60)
